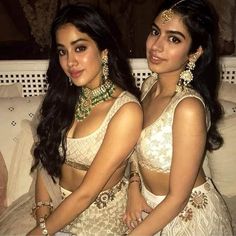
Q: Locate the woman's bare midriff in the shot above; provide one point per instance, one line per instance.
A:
(72, 178)
(158, 182)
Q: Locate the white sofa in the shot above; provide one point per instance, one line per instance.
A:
(18, 104)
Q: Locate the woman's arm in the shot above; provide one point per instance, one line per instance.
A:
(121, 136)
(189, 137)
(43, 205)
(136, 203)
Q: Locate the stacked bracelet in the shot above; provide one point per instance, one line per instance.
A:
(42, 226)
(134, 177)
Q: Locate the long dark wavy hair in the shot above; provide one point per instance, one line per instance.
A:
(201, 20)
(58, 108)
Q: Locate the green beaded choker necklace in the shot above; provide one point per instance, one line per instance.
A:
(90, 98)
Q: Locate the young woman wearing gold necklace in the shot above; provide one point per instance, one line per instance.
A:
(90, 122)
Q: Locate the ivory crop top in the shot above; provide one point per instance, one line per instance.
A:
(154, 147)
(82, 151)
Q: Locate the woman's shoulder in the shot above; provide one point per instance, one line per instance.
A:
(189, 102)
(126, 97)
(124, 101)
(126, 109)
(189, 93)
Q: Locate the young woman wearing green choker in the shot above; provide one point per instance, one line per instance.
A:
(90, 121)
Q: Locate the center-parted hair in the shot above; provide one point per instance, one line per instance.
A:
(201, 21)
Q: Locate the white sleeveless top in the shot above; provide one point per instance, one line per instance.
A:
(154, 147)
(82, 151)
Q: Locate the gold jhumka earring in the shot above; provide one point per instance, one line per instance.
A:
(105, 68)
(186, 76)
(89, 98)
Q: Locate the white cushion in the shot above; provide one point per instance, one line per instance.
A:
(229, 107)
(3, 184)
(20, 179)
(227, 92)
(11, 90)
(12, 112)
(222, 162)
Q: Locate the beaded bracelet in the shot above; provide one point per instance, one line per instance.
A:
(41, 204)
(42, 226)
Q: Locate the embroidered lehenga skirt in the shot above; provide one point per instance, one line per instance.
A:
(204, 215)
(104, 216)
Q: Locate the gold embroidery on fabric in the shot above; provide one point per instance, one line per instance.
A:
(207, 186)
(198, 199)
(108, 195)
(186, 214)
(77, 165)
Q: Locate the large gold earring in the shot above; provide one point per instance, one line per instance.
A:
(105, 68)
(186, 76)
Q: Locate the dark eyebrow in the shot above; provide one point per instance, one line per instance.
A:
(73, 42)
(155, 26)
(176, 32)
(170, 31)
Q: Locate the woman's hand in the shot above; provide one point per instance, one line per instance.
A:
(136, 204)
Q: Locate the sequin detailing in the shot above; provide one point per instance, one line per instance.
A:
(77, 165)
(198, 199)
(105, 219)
(212, 218)
(109, 195)
(154, 147)
(186, 214)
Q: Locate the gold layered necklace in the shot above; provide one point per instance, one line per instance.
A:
(89, 98)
